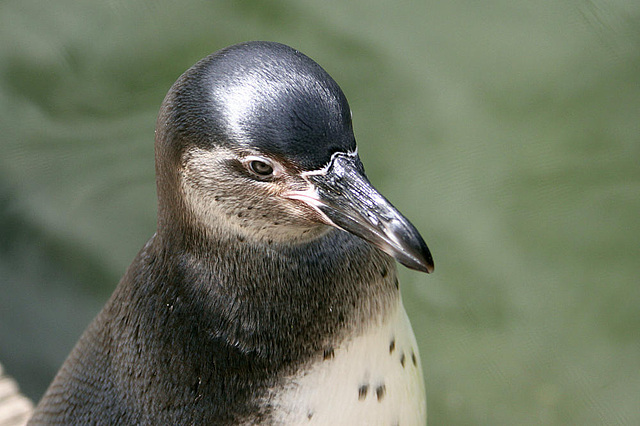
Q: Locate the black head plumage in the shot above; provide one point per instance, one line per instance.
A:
(264, 96)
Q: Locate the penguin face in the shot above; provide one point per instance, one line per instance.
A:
(243, 193)
(262, 141)
(248, 120)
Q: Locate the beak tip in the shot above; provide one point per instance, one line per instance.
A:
(429, 265)
(423, 259)
(426, 266)
(430, 268)
(423, 263)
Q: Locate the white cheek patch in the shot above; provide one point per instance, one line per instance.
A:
(215, 198)
(201, 175)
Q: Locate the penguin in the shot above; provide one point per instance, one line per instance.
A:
(15, 408)
(268, 294)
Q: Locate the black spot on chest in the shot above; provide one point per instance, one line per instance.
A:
(362, 392)
(381, 390)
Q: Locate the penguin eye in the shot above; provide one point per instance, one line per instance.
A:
(261, 168)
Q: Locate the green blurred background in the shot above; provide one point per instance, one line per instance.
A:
(507, 131)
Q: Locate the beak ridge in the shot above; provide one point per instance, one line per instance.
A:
(347, 200)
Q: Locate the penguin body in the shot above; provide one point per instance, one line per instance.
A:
(371, 378)
(268, 294)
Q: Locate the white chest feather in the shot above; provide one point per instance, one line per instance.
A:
(374, 378)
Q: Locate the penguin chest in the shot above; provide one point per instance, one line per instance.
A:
(374, 378)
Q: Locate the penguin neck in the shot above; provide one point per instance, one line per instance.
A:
(272, 302)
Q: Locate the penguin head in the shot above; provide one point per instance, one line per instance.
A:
(255, 142)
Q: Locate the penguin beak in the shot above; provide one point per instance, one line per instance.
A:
(345, 199)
